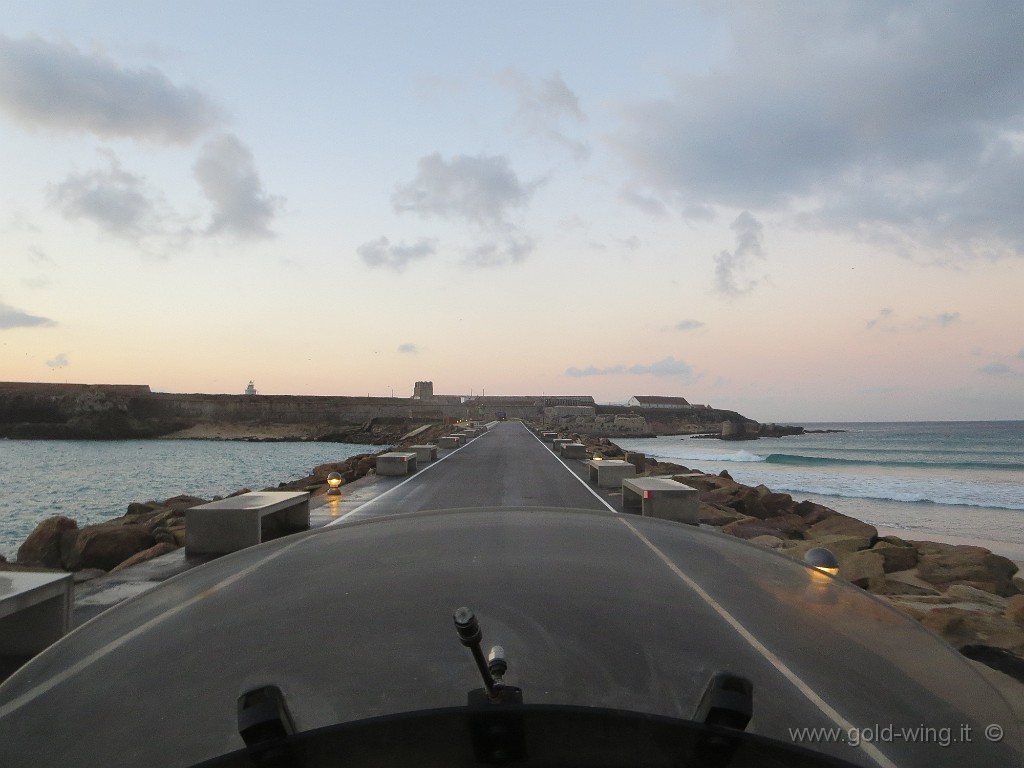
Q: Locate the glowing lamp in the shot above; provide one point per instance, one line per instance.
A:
(823, 560)
(334, 480)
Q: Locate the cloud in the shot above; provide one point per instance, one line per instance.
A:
(1020, 355)
(649, 204)
(381, 253)
(882, 318)
(729, 265)
(11, 317)
(997, 369)
(228, 178)
(408, 349)
(60, 361)
(481, 190)
(59, 87)
(688, 325)
(668, 366)
(898, 122)
(542, 107)
(511, 250)
(114, 199)
(888, 320)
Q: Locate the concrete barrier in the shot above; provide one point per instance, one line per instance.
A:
(35, 610)
(396, 463)
(238, 522)
(662, 498)
(424, 453)
(574, 451)
(547, 437)
(609, 473)
(558, 442)
(448, 442)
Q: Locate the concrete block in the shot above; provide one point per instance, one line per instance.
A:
(609, 473)
(396, 463)
(448, 443)
(662, 498)
(237, 522)
(35, 610)
(424, 453)
(548, 437)
(574, 451)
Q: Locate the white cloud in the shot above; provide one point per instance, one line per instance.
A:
(482, 190)
(227, 175)
(11, 317)
(117, 201)
(381, 253)
(688, 325)
(668, 366)
(408, 349)
(542, 107)
(730, 265)
(59, 87)
(889, 320)
(897, 121)
(511, 250)
(59, 361)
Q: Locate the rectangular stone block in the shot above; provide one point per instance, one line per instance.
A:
(238, 522)
(662, 498)
(396, 463)
(424, 453)
(35, 610)
(609, 473)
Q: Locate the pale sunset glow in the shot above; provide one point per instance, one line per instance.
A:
(798, 211)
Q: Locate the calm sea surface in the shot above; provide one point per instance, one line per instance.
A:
(91, 481)
(950, 479)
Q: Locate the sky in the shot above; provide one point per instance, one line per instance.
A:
(802, 211)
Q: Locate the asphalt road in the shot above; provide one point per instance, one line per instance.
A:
(506, 467)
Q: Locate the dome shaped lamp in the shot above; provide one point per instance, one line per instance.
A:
(823, 560)
(334, 480)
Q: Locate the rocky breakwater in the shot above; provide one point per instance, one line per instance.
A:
(972, 598)
(151, 529)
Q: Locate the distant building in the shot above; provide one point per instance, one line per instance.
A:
(657, 401)
(553, 400)
(251, 389)
(423, 390)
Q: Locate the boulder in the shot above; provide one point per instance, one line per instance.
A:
(185, 501)
(710, 514)
(908, 583)
(839, 524)
(1015, 609)
(776, 503)
(771, 542)
(42, 547)
(864, 569)
(784, 527)
(748, 501)
(974, 566)
(837, 545)
(961, 627)
(812, 513)
(160, 548)
(103, 546)
(896, 558)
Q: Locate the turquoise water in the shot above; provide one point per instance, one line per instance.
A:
(938, 479)
(91, 481)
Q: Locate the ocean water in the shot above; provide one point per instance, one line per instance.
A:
(91, 481)
(941, 480)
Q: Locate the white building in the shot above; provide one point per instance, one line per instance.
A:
(657, 401)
